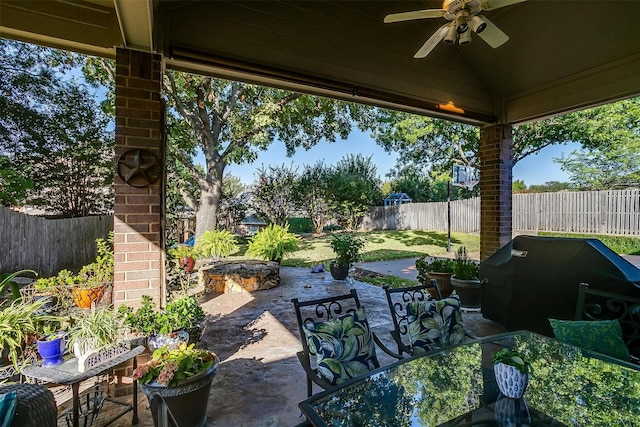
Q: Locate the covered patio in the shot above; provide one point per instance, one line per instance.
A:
(560, 56)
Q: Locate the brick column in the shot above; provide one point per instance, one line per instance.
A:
(138, 242)
(496, 162)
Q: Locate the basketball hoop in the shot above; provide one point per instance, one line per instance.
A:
(465, 176)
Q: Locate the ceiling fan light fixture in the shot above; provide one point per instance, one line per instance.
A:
(465, 38)
(462, 21)
(452, 35)
(478, 24)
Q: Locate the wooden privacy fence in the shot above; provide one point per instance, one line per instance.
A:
(599, 212)
(49, 245)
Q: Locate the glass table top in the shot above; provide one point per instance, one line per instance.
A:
(568, 386)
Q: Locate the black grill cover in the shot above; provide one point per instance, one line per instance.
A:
(523, 291)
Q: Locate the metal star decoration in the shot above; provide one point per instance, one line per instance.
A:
(138, 168)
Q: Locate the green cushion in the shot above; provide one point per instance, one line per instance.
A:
(435, 324)
(602, 336)
(343, 346)
(7, 408)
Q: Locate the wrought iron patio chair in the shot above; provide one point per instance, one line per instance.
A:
(398, 298)
(594, 304)
(318, 310)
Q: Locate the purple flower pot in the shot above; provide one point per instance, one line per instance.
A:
(52, 350)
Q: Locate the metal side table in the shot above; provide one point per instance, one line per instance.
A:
(67, 374)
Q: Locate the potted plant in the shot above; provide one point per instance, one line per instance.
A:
(466, 279)
(100, 330)
(439, 269)
(272, 243)
(347, 247)
(51, 344)
(512, 372)
(89, 286)
(185, 257)
(216, 244)
(181, 321)
(182, 377)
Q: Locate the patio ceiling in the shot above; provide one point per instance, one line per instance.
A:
(561, 55)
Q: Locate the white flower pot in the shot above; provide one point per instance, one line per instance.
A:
(511, 382)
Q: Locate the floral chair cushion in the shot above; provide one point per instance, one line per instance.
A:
(603, 336)
(435, 324)
(343, 346)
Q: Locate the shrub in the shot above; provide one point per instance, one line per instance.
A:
(347, 247)
(463, 267)
(300, 225)
(216, 244)
(273, 243)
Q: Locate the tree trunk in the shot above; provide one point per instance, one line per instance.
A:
(210, 193)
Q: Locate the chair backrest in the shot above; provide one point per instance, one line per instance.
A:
(594, 304)
(398, 298)
(323, 309)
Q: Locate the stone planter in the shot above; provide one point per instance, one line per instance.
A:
(444, 283)
(187, 401)
(339, 272)
(468, 291)
(511, 382)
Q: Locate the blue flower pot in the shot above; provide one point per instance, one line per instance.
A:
(52, 350)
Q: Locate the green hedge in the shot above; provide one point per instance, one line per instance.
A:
(300, 225)
(625, 245)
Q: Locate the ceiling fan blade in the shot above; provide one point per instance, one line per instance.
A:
(496, 4)
(418, 14)
(493, 35)
(436, 38)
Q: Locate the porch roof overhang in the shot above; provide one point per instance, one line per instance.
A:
(561, 55)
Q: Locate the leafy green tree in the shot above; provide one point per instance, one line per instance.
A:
(55, 135)
(233, 203)
(551, 187)
(604, 168)
(231, 122)
(435, 144)
(273, 192)
(13, 186)
(310, 193)
(353, 188)
(518, 186)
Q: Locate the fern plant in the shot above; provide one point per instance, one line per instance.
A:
(216, 244)
(272, 243)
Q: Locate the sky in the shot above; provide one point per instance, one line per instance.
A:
(534, 169)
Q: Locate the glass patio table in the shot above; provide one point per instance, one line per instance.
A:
(456, 387)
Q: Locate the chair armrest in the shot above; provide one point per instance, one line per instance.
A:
(312, 374)
(385, 348)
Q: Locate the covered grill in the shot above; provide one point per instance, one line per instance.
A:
(534, 278)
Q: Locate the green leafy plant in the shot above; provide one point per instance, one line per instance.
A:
(170, 367)
(463, 267)
(216, 244)
(18, 325)
(181, 313)
(100, 327)
(101, 270)
(183, 251)
(512, 358)
(6, 279)
(273, 243)
(347, 247)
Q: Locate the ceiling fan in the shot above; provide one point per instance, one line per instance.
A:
(463, 15)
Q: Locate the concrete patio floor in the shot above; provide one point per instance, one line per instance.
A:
(259, 380)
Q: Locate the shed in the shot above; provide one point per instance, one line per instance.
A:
(250, 225)
(397, 199)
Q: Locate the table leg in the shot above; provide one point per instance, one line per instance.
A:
(135, 394)
(75, 387)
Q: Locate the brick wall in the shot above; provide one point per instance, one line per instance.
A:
(496, 162)
(139, 265)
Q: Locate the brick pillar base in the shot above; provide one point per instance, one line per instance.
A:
(139, 265)
(496, 162)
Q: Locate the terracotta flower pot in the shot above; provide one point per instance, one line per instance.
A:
(85, 297)
(444, 283)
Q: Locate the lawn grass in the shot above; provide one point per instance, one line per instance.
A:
(380, 246)
(624, 245)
